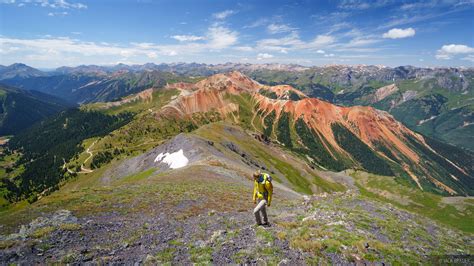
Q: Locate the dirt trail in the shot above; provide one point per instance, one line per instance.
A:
(65, 167)
(87, 170)
(84, 170)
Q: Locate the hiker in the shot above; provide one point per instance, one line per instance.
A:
(262, 191)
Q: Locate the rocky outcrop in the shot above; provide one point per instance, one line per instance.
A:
(384, 92)
(57, 219)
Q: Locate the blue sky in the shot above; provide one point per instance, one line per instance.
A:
(52, 33)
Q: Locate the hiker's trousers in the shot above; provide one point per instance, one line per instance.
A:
(261, 208)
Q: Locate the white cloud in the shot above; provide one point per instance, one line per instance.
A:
(56, 4)
(8, 50)
(457, 49)
(62, 46)
(329, 55)
(362, 4)
(152, 55)
(141, 45)
(443, 56)
(321, 40)
(244, 48)
(293, 42)
(356, 40)
(469, 58)
(413, 6)
(187, 38)
(257, 23)
(396, 33)
(221, 37)
(364, 41)
(51, 51)
(60, 4)
(290, 41)
(320, 52)
(450, 50)
(171, 53)
(262, 56)
(223, 15)
(279, 28)
(56, 14)
(354, 5)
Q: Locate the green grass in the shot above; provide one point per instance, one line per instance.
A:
(139, 176)
(42, 232)
(138, 194)
(142, 133)
(271, 159)
(70, 227)
(327, 186)
(200, 255)
(159, 98)
(8, 171)
(166, 255)
(265, 235)
(402, 237)
(240, 255)
(8, 161)
(300, 183)
(414, 200)
(246, 103)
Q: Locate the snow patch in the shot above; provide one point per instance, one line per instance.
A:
(465, 124)
(174, 160)
(94, 82)
(421, 122)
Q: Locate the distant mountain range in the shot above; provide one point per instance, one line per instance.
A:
(326, 136)
(19, 109)
(93, 86)
(19, 71)
(438, 102)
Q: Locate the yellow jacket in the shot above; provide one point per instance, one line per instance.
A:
(263, 188)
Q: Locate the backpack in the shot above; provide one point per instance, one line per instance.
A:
(268, 183)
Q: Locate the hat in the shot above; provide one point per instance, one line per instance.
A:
(257, 173)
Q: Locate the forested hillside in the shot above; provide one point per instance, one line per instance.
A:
(46, 146)
(19, 109)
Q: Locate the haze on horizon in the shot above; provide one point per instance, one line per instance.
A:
(53, 33)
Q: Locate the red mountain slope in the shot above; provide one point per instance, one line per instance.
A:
(376, 129)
